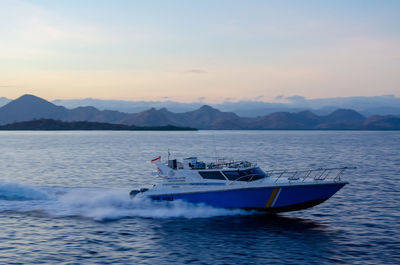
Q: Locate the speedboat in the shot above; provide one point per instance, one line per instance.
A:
(241, 184)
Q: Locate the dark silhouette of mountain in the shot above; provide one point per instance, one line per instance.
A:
(204, 118)
(95, 115)
(388, 122)
(368, 106)
(285, 120)
(152, 117)
(56, 125)
(344, 115)
(342, 119)
(207, 118)
(29, 107)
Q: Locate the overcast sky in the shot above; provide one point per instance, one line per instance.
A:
(190, 50)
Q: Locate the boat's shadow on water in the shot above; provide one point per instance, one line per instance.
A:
(265, 222)
(271, 236)
(271, 221)
(256, 224)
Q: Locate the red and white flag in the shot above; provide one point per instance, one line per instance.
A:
(155, 159)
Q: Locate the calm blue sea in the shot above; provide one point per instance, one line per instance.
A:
(64, 200)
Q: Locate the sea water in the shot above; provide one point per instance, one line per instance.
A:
(64, 200)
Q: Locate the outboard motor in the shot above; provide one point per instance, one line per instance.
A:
(133, 193)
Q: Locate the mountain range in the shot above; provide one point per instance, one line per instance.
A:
(367, 106)
(30, 107)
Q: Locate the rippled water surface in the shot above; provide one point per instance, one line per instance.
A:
(64, 199)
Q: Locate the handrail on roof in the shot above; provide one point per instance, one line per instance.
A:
(275, 171)
(304, 174)
(252, 175)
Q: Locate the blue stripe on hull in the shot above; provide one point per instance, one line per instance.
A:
(258, 197)
(300, 194)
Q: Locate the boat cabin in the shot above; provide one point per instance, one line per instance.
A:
(220, 170)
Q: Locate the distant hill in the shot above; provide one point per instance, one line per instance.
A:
(288, 121)
(342, 119)
(367, 106)
(29, 107)
(388, 122)
(55, 125)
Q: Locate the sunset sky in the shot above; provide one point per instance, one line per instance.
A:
(199, 50)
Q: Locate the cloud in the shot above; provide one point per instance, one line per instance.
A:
(296, 99)
(229, 99)
(195, 71)
(258, 98)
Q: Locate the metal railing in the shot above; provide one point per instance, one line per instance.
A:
(250, 176)
(318, 174)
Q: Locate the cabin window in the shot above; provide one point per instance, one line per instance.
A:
(212, 175)
(245, 175)
(232, 175)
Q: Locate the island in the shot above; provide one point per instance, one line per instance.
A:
(57, 125)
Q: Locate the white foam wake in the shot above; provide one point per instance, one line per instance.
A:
(99, 204)
(17, 192)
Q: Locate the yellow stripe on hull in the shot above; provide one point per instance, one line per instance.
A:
(271, 198)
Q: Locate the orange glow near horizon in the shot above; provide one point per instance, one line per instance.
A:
(232, 52)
